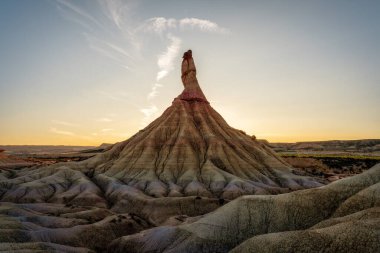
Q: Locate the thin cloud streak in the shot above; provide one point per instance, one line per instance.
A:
(160, 25)
(64, 123)
(79, 11)
(154, 92)
(114, 11)
(123, 45)
(105, 119)
(202, 24)
(68, 133)
(118, 97)
(165, 66)
(61, 132)
(148, 112)
(106, 130)
(165, 63)
(110, 50)
(165, 60)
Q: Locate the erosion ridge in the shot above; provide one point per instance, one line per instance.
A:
(341, 217)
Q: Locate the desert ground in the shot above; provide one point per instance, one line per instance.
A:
(195, 224)
(328, 160)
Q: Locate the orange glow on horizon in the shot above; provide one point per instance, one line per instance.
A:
(72, 141)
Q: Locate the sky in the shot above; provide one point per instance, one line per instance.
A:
(91, 72)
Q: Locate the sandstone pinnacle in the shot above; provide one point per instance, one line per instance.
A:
(192, 91)
(186, 163)
(189, 151)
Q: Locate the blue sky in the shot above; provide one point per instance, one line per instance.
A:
(87, 72)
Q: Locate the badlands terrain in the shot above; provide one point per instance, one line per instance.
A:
(318, 159)
(188, 182)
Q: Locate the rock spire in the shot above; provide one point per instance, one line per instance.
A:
(192, 91)
(189, 151)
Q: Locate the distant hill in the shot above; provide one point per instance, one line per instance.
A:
(98, 149)
(357, 146)
(42, 149)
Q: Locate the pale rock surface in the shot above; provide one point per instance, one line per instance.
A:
(53, 227)
(302, 221)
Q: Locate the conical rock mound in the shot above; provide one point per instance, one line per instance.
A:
(190, 150)
(186, 163)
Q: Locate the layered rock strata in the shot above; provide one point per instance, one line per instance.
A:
(186, 163)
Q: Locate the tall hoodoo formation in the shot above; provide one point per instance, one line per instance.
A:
(189, 150)
(186, 163)
(192, 91)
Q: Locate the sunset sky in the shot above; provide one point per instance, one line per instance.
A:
(87, 72)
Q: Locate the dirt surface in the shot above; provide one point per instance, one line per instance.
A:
(366, 146)
(19, 156)
(328, 168)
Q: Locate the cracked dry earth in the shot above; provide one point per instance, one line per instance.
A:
(176, 186)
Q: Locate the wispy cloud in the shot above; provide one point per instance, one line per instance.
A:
(110, 50)
(106, 130)
(148, 112)
(115, 11)
(113, 95)
(158, 24)
(165, 63)
(106, 29)
(105, 119)
(67, 5)
(110, 133)
(161, 24)
(203, 25)
(69, 133)
(165, 60)
(61, 132)
(64, 123)
(154, 91)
